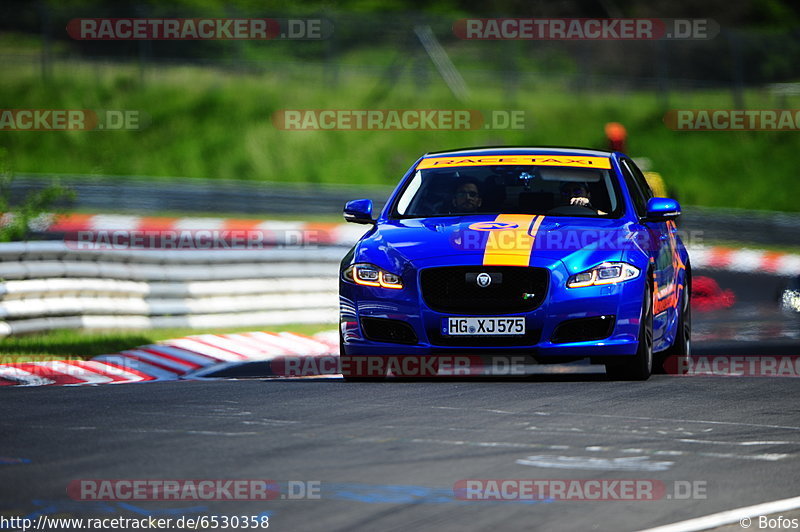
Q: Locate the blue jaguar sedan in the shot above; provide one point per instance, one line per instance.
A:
(549, 254)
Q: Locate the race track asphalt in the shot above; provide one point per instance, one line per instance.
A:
(387, 455)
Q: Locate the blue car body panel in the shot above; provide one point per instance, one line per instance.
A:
(409, 246)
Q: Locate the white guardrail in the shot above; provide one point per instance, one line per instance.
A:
(50, 285)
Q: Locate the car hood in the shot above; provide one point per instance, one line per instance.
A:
(458, 236)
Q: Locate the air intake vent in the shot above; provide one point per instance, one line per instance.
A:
(386, 330)
(584, 329)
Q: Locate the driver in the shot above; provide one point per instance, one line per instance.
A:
(577, 194)
(466, 197)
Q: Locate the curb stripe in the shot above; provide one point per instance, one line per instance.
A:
(98, 369)
(745, 260)
(23, 377)
(316, 346)
(83, 375)
(131, 363)
(235, 356)
(223, 343)
(159, 362)
(253, 348)
(195, 346)
(183, 355)
(286, 347)
(136, 374)
(167, 356)
(47, 371)
(266, 350)
(113, 371)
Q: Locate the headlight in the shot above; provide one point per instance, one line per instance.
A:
(369, 275)
(606, 273)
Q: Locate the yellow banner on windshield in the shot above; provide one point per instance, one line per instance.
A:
(498, 160)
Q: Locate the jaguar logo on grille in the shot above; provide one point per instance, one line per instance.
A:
(483, 279)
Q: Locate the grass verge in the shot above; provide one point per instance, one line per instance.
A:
(212, 123)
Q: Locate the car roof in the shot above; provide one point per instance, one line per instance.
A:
(521, 150)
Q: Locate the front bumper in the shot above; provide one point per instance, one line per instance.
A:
(622, 301)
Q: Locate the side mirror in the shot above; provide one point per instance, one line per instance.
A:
(359, 211)
(662, 209)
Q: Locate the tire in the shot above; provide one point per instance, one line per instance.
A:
(641, 367)
(682, 346)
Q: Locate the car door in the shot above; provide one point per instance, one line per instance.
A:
(661, 244)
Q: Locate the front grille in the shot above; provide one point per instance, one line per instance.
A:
(386, 330)
(531, 337)
(584, 329)
(454, 289)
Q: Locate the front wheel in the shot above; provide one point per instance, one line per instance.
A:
(640, 368)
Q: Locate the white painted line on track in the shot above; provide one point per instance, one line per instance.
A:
(740, 443)
(673, 420)
(730, 516)
(632, 463)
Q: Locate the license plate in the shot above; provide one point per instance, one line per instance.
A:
(485, 326)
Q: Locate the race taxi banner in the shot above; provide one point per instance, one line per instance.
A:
(500, 160)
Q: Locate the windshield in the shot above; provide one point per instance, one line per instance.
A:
(509, 189)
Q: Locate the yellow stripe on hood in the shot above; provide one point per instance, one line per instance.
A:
(512, 247)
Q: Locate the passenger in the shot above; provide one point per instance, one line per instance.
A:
(466, 197)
